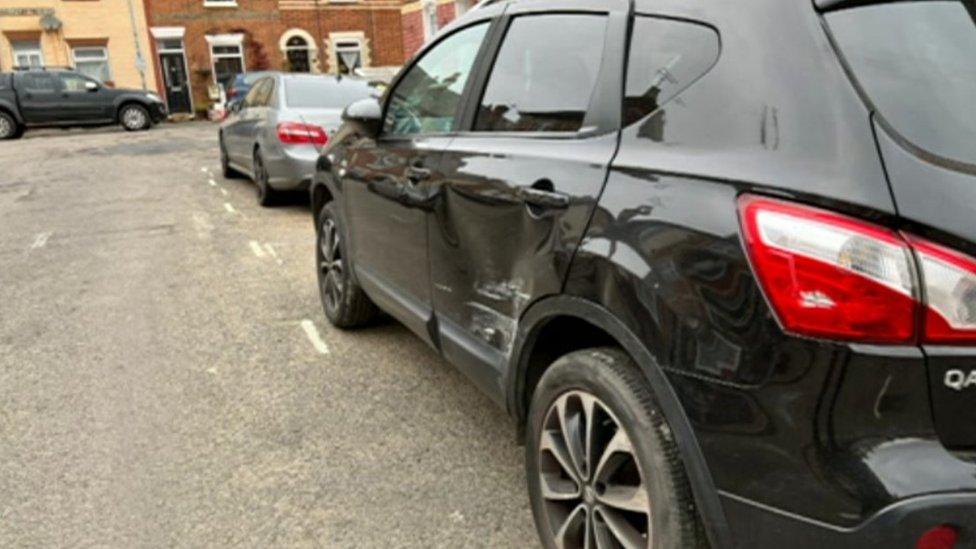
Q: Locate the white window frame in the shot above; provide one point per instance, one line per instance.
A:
(220, 3)
(428, 14)
(103, 58)
(342, 43)
(28, 53)
(226, 40)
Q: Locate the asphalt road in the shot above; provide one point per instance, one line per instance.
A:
(159, 385)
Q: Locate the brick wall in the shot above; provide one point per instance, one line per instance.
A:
(390, 31)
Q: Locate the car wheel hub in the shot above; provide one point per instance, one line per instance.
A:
(134, 118)
(6, 128)
(593, 490)
(331, 264)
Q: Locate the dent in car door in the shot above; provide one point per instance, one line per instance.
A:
(520, 189)
(387, 181)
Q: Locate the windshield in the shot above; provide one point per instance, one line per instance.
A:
(324, 93)
(917, 63)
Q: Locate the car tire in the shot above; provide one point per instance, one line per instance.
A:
(134, 118)
(225, 167)
(9, 128)
(267, 196)
(631, 483)
(346, 305)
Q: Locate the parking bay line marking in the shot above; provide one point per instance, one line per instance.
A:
(212, 182)
(41, 240)
(229, 207)
(256, 248)
(313, 335)
(223, 191)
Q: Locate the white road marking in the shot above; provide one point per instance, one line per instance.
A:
(204, 169)
(41, 240)
(212, 182)
(223, 191)
(313, 335)
(256, 248)
(229, 207)
(271, 251)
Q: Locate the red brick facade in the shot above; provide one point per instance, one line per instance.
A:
(386, 31)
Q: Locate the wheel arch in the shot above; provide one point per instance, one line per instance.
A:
(13, 112)
(542, 339)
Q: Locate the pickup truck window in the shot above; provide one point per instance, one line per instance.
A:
(73, 82)
(40, 82)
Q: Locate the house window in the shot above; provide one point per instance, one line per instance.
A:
(429, 13)
(349, 54)
(296, 51)
(227, 54)
(27, 53)
(92, 62)
(220, 3)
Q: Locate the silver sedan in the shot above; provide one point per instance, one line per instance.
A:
(275, 134)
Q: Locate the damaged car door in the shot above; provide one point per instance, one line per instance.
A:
(520, 184)
(387, 181)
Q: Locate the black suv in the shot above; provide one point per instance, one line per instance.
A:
(64, 98)
(717, 259)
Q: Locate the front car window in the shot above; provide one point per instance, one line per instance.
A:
(426, 99)
(916, 62)
(253, 97)
(545, 75)
(73, 82)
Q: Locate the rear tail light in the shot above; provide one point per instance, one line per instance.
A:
(836, 277)
(294, 133)
(950, 293)
(940, 537)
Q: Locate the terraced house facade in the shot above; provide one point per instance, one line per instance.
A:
(199, 45)
(105, 39)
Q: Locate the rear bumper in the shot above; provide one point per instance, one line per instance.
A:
(899, 525)
(291, 168)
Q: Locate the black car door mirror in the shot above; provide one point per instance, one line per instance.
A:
(365, 116)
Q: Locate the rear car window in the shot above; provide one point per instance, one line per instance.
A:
(666, 56)
(916, 61)
(545, 75)
(324, 93)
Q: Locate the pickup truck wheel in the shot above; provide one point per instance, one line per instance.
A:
(9, 129)
(134, 118)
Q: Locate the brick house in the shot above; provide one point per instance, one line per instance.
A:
(198, 44)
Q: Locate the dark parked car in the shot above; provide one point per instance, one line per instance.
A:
(275, 133)
(64, 98)
(237, 87)
(717, 259)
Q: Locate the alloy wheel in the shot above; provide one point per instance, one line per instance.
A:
(260, 176)
(331, 265)
(6, 127)
(134, 118)
(595, 495)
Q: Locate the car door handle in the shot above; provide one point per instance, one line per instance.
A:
(417, 174)
(544, 199)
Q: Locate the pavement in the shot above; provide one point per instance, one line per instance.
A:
(167, 376)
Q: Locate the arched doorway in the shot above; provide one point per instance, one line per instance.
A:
(297, 54)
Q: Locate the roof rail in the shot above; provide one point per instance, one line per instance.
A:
(44, 68)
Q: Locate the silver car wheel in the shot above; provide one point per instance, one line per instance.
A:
(6, 127)
(595, 494)
(134, 118)
(331, 264)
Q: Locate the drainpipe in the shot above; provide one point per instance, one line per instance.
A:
(140, 58)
